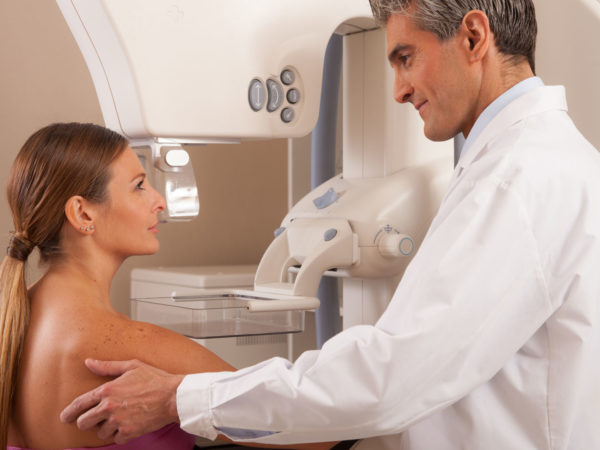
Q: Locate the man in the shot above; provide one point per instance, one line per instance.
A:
(492, 338)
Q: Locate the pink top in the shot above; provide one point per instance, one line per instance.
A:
(170, 437)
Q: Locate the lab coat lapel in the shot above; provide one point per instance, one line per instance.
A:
(537, 101)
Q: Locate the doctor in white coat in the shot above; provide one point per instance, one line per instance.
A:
(492, 339)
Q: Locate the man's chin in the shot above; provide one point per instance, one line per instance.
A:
(437, 135)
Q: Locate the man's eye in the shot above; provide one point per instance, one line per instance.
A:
(403, 59)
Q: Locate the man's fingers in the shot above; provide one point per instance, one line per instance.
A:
(92, 398)
(80, 405)
(123, 437)
(95, 417)
(107, 430)
(111, 368)
(106, 407)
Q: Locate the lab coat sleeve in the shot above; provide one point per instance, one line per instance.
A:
(473, 295)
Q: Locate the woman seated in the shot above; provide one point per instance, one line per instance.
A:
(79, 194)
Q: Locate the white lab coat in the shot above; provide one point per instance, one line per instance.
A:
(492, 339)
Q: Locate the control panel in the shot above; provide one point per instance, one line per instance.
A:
(277, 95)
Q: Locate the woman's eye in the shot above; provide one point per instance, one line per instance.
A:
(140, 185)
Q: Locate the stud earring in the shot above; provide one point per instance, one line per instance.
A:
(91, 227)
(82, 228)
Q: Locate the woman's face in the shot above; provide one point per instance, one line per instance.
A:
(127, 223)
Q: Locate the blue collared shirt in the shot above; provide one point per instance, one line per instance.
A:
(496, 106)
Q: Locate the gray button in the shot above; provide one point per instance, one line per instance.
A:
(287, 115)
(330, 234)
(287, 77)
(257, 95)
(406, 246)
(275, 95)
(326, 199)
(293, 96)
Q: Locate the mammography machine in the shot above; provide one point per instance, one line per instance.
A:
(184, 72)
(170, 73)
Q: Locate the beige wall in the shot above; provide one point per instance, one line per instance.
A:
(43, 79)
(567, 54)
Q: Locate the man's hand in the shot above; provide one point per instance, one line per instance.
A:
(141, 400)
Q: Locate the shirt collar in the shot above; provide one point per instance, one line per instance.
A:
(496, 106)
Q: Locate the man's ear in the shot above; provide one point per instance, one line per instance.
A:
(477, 35)
(80, 214)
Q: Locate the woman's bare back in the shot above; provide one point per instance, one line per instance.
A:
(66, 326)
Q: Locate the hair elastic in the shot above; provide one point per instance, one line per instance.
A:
(19, 247)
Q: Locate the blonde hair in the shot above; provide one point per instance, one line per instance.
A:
(56, 163)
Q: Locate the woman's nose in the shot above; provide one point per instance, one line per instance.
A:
(159, 202)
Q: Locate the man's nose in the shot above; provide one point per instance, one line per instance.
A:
(402, 90)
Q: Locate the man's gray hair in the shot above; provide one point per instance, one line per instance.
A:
(511, 21)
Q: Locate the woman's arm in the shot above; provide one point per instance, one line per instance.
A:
(144, 388)
(162, 348)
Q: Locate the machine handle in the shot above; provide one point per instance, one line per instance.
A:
(295, 304)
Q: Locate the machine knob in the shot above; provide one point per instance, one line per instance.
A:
(395, 245)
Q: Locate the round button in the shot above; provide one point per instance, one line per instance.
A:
(257, 95)
(395, 245)
(275, 95)
(329, 234)
(406, 246)
(287, 115)
(293, 96)
(287, 77)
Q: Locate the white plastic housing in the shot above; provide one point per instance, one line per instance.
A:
(392, 184)
(183, 69)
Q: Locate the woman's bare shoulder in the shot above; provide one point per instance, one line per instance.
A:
(66, 328)
(113, 336)
(88, 329)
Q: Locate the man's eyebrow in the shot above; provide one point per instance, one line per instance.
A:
(398, 49)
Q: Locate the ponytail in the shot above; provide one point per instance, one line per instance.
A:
(14, 318)
(55, 163)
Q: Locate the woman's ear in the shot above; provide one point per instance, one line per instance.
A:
(476, 34)
(80, 214)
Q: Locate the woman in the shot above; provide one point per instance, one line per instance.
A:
(79, 194)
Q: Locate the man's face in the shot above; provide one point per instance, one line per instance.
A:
(434, 76)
